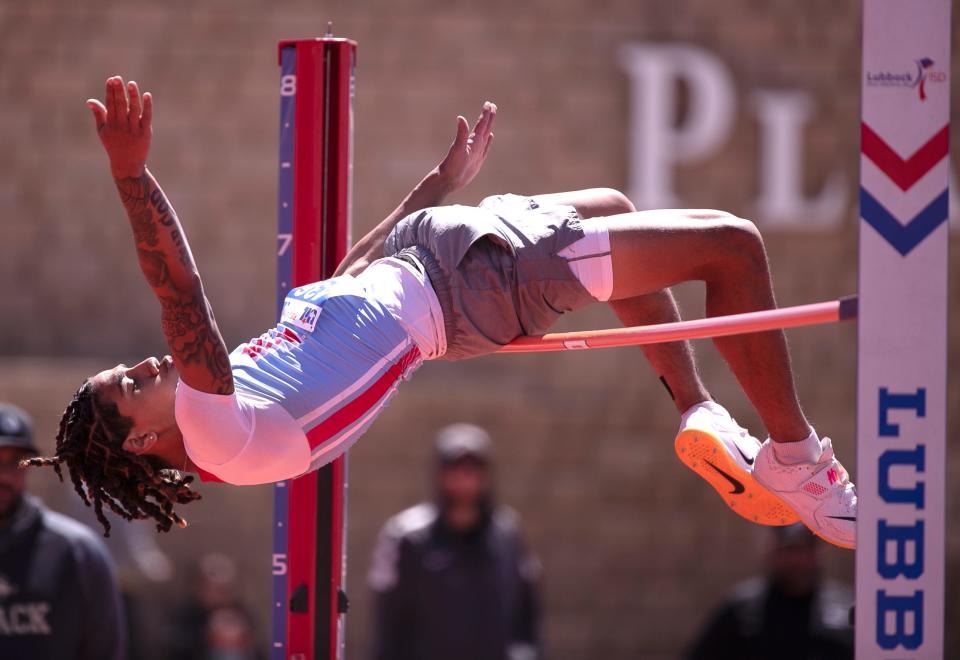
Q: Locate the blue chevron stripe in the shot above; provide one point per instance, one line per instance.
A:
(904, 237)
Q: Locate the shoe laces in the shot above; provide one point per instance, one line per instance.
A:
(826, 453)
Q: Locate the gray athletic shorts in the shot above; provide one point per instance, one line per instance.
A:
(494, 268)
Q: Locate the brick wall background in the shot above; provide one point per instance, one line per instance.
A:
(635, 549)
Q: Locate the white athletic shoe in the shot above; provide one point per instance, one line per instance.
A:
(820, 493)
(712, 444)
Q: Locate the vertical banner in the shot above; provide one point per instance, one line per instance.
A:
(902, 332)
(313, 211)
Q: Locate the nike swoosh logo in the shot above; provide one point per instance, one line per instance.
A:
(748, 460)
(737, 486)
(850, 518)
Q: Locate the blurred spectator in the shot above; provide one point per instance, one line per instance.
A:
(213, 624)
(229, 636)
(141, 567)
(58, 592)
(452, 578)
(792, 613)
(132, 544)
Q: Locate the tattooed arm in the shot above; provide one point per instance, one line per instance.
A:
(187, 320)
(188, 324)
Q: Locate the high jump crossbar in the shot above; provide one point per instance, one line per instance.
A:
(844, 309)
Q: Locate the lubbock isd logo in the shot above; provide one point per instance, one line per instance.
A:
(909, 78)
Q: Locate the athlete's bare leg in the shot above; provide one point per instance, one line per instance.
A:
(673, 362)
(653, 250)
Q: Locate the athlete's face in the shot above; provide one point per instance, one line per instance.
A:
(144, 392)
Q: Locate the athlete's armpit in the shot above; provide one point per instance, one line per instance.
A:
(195, 343)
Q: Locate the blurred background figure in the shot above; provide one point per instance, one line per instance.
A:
(791, 613)
(143, 570)
(452, 578)
(213, 623)
(230, 636)
(58, 591)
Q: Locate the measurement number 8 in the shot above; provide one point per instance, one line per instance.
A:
(288, 85)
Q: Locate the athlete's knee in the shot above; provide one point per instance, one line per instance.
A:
(742, 242)
(619, 200)
(616, 201)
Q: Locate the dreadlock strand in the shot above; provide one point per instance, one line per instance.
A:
(90, 443)
(77, 484)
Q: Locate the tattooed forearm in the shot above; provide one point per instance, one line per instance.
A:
(164, 254)
(192, 335)
(133, 194)
(154, 267)
(161, 244)
(167, 218)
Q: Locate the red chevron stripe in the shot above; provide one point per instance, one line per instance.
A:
(902, 172)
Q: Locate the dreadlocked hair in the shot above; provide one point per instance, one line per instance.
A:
(134, 487)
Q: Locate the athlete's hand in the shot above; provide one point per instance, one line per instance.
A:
(124, 126)
(469, 149)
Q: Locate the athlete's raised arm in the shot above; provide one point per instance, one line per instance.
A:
(124, 126)
(458, 168)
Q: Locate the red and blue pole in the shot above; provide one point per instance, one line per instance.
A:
(313, 213)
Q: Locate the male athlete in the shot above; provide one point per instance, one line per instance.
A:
(429, 282)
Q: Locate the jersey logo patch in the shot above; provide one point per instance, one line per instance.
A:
(301, 314)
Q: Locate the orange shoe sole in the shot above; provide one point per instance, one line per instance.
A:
(705, 454)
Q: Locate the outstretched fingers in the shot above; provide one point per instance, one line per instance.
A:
(463, 132)
(116, 101)
(99, 112)
(147, 117)
(485, 121)
(141, 108)
(469, 149)
(481, 134)
(133, 116)
(123, 105)
(482, 119)
(123, 126)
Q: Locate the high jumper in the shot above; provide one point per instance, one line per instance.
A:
(430, 282)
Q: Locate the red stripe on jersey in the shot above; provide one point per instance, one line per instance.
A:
(361, 405)
(209, 477)
(255, 347)
(290, 335)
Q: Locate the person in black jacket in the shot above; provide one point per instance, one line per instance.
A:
(58, 592)
(792, 613)
(452, 578)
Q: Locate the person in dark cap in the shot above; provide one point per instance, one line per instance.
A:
(58, 591)
(452, 578)
(793, 601)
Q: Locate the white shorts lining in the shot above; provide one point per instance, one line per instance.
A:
(589, 259)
